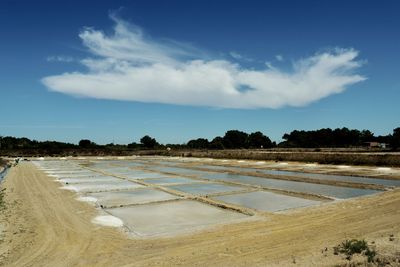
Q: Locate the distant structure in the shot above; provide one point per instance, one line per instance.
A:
(375, 145)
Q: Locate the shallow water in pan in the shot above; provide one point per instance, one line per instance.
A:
(170, 180)
(103, 186)
(95, 179)
(206, 188)
(266, 201)
(176, 217)
(330, 177)
(138, 196)
(302, 187)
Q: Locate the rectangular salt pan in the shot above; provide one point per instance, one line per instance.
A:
(318, 189)
(329, 177)
(171, 180)
(61, 169)
(61, 172)
(178, 170)
(78, 174)
(90, 180)
(144, 175)
(169, 218)
(86, 175)
(139, 196)
(205, 188)
(103, 186)
(266, 201)
(116, 169)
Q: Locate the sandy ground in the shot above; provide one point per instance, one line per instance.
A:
(46, 226)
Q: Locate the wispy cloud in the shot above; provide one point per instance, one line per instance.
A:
(279, 57)
(270, 66)
(60, 59)
(129, 65)
(238, 56)
(235, 55)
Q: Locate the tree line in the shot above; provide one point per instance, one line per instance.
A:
(322, 138)
(340, 137)
(232, 139)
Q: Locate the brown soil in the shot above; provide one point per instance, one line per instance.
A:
(46, 226)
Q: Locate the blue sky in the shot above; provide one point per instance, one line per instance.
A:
(272, 66)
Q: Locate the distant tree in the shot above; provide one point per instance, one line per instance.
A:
(200, 143)
(366, 136)
(148, 142)
(259, 140)
(9, 142)
(296, 139)
(217, 143)
(85, 143)
(235, 139)
(133, 145)
(340, 137)
(395, 140)
(387, 139)
(321, 138)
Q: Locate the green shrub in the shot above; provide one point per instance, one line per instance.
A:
(354, 246)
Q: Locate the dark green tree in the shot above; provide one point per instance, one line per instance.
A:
(217, 143)
(259, 140)
(200, 143)
(85, 143)
(395, 140)
(235, 139)
(148, 142)
(340, 137)
(133, 145)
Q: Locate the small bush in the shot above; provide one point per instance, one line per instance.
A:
(354, 246)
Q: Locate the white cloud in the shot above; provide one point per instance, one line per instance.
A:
(241, 57)
(269, 65)
(130, 66)
(235, 55)
(279, 57)
(59, 59)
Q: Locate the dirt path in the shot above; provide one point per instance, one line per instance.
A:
(46, 226)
